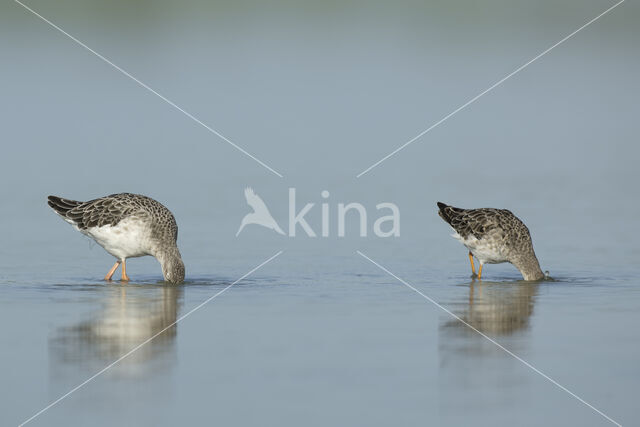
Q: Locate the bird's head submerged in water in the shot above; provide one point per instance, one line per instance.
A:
(172, 265)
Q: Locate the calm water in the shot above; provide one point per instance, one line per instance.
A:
(334, 342)
(320, 336)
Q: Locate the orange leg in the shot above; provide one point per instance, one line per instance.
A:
(113, 270)
(473, 268)
(124, 277)
(480, 272)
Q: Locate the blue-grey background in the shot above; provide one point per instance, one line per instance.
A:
(320, 91)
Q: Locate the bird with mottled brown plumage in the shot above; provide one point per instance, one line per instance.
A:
(493, 236)
(127, 225)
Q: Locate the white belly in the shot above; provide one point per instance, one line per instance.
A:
(486, 251)
(129, 238)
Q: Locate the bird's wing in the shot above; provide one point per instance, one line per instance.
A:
(475, 222)
(480, 222)
(255, 201)
(108, 210)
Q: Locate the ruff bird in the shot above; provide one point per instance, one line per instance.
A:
(493, 236)
(127, 226)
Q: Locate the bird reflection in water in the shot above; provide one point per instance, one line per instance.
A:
(475, 373)
(130, 316)
(496, 308)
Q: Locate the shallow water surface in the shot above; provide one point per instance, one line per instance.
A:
(335, 348)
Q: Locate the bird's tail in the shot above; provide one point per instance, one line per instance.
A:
(62, 206)
(448, 213)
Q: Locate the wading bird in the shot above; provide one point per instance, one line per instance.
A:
(127, 226)
(493, 236)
